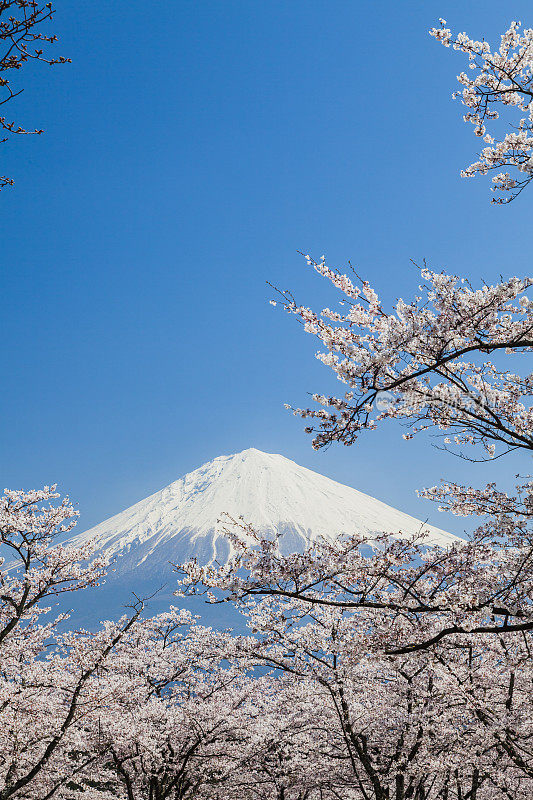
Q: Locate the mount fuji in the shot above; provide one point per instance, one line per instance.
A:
(179, 523)
(273, 493)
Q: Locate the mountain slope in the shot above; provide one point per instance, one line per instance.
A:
(270, 491)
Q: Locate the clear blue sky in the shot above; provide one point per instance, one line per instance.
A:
(190, 150)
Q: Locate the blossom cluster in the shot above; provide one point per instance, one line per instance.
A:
(424, 362)
(499, 80)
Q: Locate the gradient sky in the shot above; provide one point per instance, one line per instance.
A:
(190, 150)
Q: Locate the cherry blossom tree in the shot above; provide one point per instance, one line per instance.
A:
(288, 754)
(24, 36)
(49, 690)
(35, 569)
(500, 81)
(431, 723)
(490, 681)
(175, 719)
(47, 675)
(180, 715)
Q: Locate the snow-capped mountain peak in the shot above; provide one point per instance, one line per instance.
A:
(270, 491)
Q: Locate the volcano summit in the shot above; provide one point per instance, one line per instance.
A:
(270, 491)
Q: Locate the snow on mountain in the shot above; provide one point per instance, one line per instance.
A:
(270, 491)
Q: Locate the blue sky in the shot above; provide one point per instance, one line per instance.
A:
(190, 150)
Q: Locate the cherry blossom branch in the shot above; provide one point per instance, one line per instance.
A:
(424, 362)
(502, 79)
(23, 37)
